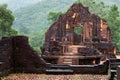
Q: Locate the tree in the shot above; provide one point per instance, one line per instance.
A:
(53, 16)
(99, 8)
(13, 32)
(113, 19)
(6, 21)
(37, 40)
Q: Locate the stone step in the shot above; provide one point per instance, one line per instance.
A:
(113, 73)
(115, 77)
(67, 63)
(59, 71)
(67, 59)
(113, 67)
(114, 61)
(68, 54)
(1, 63)
(60, 67)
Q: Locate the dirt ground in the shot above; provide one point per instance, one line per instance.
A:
(55, 77)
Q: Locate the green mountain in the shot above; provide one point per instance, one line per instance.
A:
(34, 17)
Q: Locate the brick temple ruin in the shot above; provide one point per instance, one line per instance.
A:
(78, 42)
(78, 37)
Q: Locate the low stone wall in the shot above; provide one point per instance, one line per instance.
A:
(118, 73)
(91, 69)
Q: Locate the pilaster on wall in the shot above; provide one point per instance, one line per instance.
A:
(5, 56)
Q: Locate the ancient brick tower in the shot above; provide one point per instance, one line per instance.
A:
(78, 37)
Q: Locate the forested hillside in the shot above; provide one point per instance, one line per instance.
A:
(35, 16)
(33, 19)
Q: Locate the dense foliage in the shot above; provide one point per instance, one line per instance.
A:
(113, 19)
(53, 16)
(6, 21)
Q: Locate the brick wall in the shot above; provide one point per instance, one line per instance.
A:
(16, 55)
(5, 56)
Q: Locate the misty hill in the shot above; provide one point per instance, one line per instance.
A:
(16, 4)
(34, 17)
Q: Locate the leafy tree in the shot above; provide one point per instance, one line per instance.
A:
(113, 19)
(53, 16)
(13, 32)
(6, 21)
(99, 8)
(37, 40)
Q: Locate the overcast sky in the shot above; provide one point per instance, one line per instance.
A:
(4, 1)
(7, 1)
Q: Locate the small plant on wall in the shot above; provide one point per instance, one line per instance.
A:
(78, 30)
